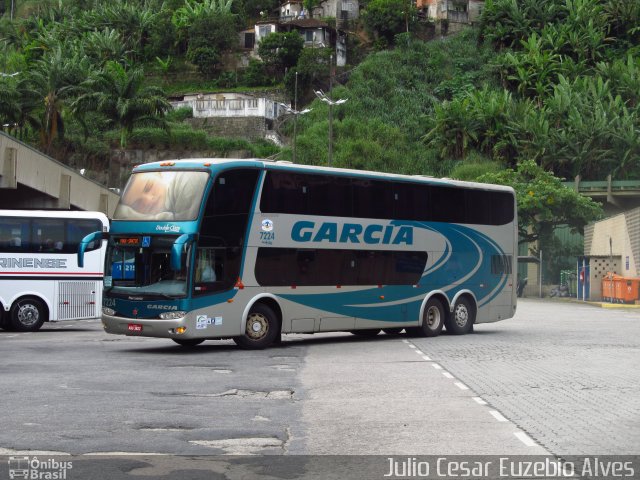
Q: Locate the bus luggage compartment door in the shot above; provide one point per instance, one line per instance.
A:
(77, 299)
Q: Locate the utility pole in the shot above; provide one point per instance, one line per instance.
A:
(322, 96)
(295, 118)
(295, 112)
(330, 109)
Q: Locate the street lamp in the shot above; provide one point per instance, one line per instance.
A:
(295, 114)
(322, 96)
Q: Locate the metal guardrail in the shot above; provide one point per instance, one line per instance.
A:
(594, 186)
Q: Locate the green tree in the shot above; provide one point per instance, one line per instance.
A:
(386, 18)
(121, 96)
(217, 31)
(313, 73)
(56, 77)
(281, 51)
(544, 203)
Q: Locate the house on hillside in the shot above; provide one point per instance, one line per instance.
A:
(454, 11)
(228, 105)
(292, 10)
(342, 10)
(234, 115)
(316, 32)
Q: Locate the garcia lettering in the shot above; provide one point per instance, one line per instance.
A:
(305, 231)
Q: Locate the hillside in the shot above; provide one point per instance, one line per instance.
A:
(556, 81)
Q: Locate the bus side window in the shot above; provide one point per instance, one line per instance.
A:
(14, 234)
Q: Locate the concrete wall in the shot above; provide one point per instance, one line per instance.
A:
(30, 179)
(610, 238)
(250, 128)
(613, 245)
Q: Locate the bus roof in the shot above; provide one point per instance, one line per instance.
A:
(56, 214)
(215, 164)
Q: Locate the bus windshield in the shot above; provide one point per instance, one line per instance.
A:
(174, 195)
(137, 268)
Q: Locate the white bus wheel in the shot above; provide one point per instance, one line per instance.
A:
(261, 329)
(462, 318)
(28, 315)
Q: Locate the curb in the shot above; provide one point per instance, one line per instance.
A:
(590, 303)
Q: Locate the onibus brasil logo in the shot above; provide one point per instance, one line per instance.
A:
(34, 469)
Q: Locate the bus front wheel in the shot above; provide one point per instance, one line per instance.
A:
(462, 318)
(28, 315)
(432, 320)
(261, 330)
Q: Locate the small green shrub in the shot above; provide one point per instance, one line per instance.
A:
(179, 114)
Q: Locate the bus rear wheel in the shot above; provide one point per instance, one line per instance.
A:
(432, 320)
(462, 319)
(28, 315)
(261, 330)
(188, 342)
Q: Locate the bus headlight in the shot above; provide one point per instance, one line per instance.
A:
(172, 315)
(108, 311)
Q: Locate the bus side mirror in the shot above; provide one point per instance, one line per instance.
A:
(178, 248)
(84, 244)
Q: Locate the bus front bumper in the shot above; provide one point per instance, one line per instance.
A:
(154, 327)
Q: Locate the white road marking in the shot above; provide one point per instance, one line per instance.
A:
(479, 401)
(461, 386)
(526, 439)
(447, 374)
(436, 366)
(424, 357)
(412, 346)
(498, 416)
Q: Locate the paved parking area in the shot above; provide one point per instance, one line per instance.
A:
(566, 373)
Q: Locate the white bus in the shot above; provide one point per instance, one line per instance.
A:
(39, 275)
(249, 249)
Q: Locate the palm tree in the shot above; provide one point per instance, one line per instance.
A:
(121, 96)
(56, 78)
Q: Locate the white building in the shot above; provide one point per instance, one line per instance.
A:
(226, 105)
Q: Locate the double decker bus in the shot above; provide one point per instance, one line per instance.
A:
(205, 249)
(40, 279)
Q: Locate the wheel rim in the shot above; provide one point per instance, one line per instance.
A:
(28, 314)
(462, 315)
(432, 318)
(257, 326)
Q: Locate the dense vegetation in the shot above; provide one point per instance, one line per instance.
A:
(541, 86)
(79, 78)
(554, 81)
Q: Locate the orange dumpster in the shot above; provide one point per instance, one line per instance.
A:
(630, 289)
(612, 288)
